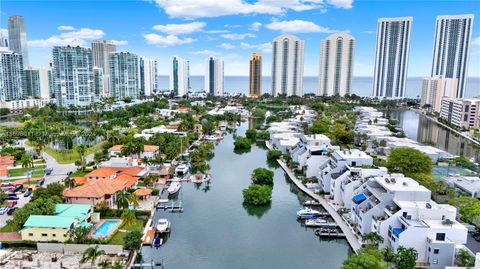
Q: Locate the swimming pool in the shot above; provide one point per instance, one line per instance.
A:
(106, 228)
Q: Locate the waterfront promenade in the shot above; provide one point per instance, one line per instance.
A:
(349, 234)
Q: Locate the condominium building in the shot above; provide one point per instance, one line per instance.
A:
(287, 65)
(101, 50)
(391, 57)
(17, 37)
(214, 76)
(451, 48)
(148, 76)
(125, 75)
(463, 113)
(401, 211)
(4, 38)
(337, 52)
(179, 79)
(98, 81)
(11, 67)
(255, 80)
(73, 76)
(36, 82)
(434, 88)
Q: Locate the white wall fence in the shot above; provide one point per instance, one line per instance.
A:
(77, 248)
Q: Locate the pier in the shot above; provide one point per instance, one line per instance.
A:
(347, 232)
(329, 233)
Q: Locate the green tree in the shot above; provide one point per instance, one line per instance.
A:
(242, 143)
(78, 235)
(121, 200)
(262, 176)
(69, 182)
(464, 259)
(91, 254)
(273, 155)
(406, 258)
(133, 240)
(369, 258)
(372, 238)
(128, 217)
(133, 200)
(251, 134)
(81, 150)
(27, 160)
(408, 161)
(257, 194)
(117, 265)
(50, 191)
(105, 264)
(468, 207)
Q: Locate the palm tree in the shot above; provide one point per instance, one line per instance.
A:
(81, 150)
(105, 264)
(117, 265)
(121, 200)
(91, 254)
(133, 200)
(372, 238)
(27, 160)
(128, 217)
(69, 182)
(128, 149)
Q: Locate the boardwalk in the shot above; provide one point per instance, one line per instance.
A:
(349, 234)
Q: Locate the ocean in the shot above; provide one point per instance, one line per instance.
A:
(362, 86)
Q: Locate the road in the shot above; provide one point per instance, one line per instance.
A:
(59, 173)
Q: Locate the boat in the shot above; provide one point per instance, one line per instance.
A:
(312, 203)
(199, 178)
(162, 225)
(223, 126)
(158, 241)
(181, 169)
(211, 138)
(307, 213)
(174, 187)
(315, 222)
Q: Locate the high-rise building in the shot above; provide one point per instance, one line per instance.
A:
(435, 88)
(214, 76)
(337, 52)
(101, 50)
(17, 37)
(287, 65)
(125, 75)
(179, 83)
(3, 38)
(391, 57)
(73, 76)
(148, 76)
(98, 81)
(11, 71)
(36, 83)
(451, 49)
(255, 75)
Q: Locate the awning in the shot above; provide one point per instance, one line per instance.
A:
(397, 231)
(359, 198)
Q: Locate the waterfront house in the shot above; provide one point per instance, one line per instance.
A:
(41, 228)
(96, 191)
(149, 151)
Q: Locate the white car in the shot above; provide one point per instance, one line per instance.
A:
(3, 210)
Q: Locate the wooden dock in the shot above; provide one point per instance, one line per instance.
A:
(149, 236)
(326, 225)
(329, 233)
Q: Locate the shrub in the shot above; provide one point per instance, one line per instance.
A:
(262, 176)
(242, 143)
(257, 194)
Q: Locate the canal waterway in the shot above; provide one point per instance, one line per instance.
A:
(423, 129)
(217, 231)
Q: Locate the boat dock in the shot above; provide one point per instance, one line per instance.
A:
(319, 214)
(325, 225)
(348, 233)
(149, 236)
(329, 233)
(172, 206)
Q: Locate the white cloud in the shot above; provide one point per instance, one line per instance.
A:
(264, 47)
(227, 46)
(205, 52)
(237, 36)
(178, 29)
(368, 32)
(120, 42)
(298, 26)
(255, 26)
(191, 9)
(79, 37)
(167, 41)
(216, 31)
(65, 28)
(476, 41)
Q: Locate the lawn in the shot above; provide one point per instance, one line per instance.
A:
(80, 173)
(21, 171)
(117, 238)
(70, 156)
(8, 228)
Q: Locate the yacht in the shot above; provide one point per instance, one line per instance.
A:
(315, 222)
(199, 178)
(307, 213)
(163, 225)
(181, 169)
(174, 187)
(211, 138)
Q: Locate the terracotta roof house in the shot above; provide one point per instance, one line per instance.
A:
(149, 151)
(95, 192)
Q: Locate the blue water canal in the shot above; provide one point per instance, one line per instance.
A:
(216, 231)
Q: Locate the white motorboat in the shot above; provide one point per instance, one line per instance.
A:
(163, 225)
(174, 187)
(311, 203)
(307, 213)
(211, 138)
(315, 222)
(181, 169)
(199, 178)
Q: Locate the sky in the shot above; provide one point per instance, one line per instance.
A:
(232, 29)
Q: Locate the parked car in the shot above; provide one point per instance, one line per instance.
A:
(41, 182)
(27, 193)
(18, 187)
(3, 210)
(12, 204)
(48, 171)
(11, 210)
(69, 173)
(12, 196)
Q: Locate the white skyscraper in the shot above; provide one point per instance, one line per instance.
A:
(179, 76)
(451, 49)
(3, 38)
(148, 75)
(287, 65)
(391, 59)
(73, 76)
(36, 83)
(214, 76)
(337, 52)
(125, 75)
(11, 68)
(17, 37)
(101, 50)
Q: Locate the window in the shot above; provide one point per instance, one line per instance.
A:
(30, 234)
(435, 261)
(54, 235)
(44, 235)
(440, 237)
(436, 251)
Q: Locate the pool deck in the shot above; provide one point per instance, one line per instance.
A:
(347, 231)
(100, 223)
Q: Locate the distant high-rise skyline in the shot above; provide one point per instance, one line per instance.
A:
(17, 37)
(287, 65)
(148, 76)
(255, 78)
(391, 57)
(214, 76)
(101, 50)
(451, 49)
(179, 79)
(125, 75)
(337, 53)
(11, 71)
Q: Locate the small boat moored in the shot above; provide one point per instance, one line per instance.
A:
(163, 225)
(181, 169)
(174, 187)
(158, 241)
(199, 178)
(315, 222)
(306, 213)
